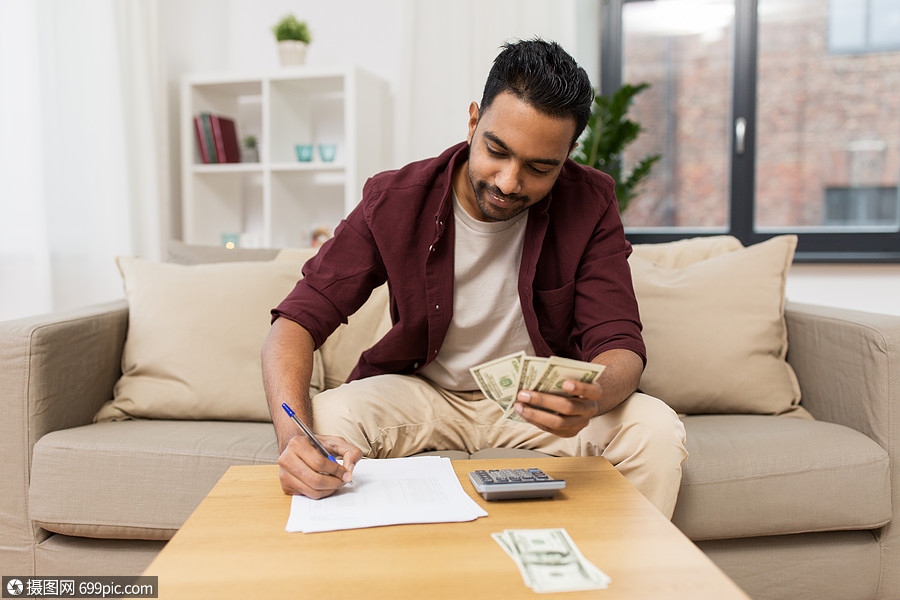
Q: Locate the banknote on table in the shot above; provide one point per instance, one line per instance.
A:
(503, 378)
(549, 561)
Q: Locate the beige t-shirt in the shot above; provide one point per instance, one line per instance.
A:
(487, 318)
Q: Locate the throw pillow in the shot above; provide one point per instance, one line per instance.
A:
(194, 338)
(342, 349)
(686, 252)
(715, 331)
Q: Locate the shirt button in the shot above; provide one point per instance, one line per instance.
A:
(415, 365)
(437, 306)
(431, 248)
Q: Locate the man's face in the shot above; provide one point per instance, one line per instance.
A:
(515, 156)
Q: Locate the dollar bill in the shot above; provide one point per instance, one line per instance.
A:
(503, 378)
(498, 379)
(558, 370)
(549, 560)
(532, 367)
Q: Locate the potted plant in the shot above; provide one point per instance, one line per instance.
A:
(607, 134)
(293, 37)
(251, 149)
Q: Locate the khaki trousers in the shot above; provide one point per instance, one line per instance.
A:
(391, 416)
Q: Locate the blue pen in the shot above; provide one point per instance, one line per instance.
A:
(308, 433)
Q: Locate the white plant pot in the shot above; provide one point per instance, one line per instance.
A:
(292, 52)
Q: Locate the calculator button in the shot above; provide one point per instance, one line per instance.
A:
(498, 476)
(512, 475)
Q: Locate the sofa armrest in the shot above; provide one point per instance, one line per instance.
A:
(55, 372)
(848, 365)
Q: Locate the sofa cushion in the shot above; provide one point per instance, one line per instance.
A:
(194, 339)
(714, 328)
(84, 482)
(138, 479)
(756, 475)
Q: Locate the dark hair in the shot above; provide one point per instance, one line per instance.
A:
(543, 75)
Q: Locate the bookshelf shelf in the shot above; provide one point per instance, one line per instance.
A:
(278, 201)
(228, 168)
(310, 166)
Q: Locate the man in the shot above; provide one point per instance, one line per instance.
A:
(498, 245)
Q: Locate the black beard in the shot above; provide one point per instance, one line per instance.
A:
(484, 207)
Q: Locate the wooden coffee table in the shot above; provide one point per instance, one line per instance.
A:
(235, 546)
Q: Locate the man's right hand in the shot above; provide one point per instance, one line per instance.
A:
(303, 470)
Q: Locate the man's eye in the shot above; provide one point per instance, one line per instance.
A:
(540, 171)
(494, 152)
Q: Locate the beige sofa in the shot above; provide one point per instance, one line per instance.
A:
(790, 508)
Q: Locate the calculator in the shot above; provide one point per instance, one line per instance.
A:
(511, 484)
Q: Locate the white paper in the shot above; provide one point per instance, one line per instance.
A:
(389, 491)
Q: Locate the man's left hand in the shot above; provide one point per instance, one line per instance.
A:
(561, 415)
(566, 416)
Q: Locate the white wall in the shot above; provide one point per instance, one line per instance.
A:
(873, 288)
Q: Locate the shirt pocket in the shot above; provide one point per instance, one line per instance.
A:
(554, 309)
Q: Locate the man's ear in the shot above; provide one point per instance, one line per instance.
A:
(572, 149)
(473, 121)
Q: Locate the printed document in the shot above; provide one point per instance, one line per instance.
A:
(389, 491)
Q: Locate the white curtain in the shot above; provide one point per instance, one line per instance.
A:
(81, 149)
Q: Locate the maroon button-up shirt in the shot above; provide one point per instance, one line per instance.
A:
(574, 281)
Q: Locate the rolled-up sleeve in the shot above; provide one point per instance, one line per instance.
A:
(336, 281)
(606, 309)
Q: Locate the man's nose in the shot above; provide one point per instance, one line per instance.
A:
(509, 178)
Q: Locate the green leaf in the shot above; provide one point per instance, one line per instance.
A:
(609, 131)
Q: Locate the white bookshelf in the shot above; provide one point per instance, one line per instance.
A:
(278, 201)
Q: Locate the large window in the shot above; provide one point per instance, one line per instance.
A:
(772, 116)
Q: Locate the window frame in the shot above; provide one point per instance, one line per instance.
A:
(825, 247)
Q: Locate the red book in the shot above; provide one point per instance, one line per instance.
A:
(232, 145)
(225, 134)
(201, 139)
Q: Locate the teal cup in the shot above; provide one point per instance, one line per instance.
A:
(304, 152)
(327, 152)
